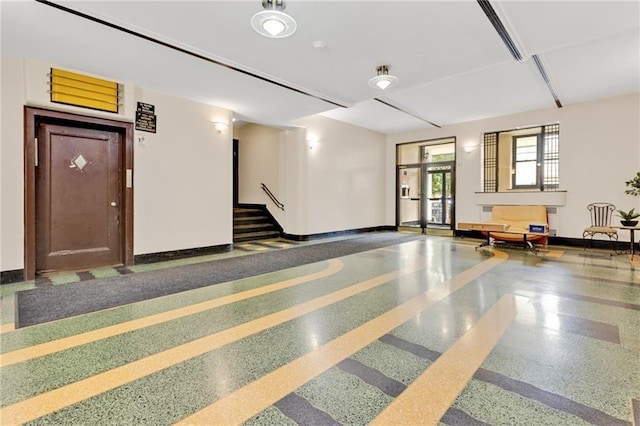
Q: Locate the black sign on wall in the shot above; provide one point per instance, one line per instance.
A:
(146, 117)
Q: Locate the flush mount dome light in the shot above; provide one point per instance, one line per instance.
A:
(383, 80)
(273, 22)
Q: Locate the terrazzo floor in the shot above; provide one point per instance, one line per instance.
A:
(430, 331)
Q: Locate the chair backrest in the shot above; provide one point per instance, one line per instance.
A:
(601, 213)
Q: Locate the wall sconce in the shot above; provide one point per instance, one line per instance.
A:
(469, 148)
(311, 143)
(220, 126)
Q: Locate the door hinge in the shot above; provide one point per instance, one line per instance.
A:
(35, 147)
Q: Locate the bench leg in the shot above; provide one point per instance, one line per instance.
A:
(528, 245)
(485, 243)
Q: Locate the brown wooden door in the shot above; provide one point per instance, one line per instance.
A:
(78, 198)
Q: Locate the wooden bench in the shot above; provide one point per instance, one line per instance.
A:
(512, 224)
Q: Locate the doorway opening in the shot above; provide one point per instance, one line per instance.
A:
(78, 192)
(236, 165)
(426, 186)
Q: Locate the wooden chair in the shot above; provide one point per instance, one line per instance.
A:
(600, 214)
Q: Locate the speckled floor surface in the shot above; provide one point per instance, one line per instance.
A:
(431, 331)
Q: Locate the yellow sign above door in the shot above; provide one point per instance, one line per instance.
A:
(80, 90)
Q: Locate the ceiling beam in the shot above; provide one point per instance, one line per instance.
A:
(501, 30)
(513, 48)
(406, 112)
(546, 79)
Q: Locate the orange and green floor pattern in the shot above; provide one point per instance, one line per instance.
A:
(425, 332)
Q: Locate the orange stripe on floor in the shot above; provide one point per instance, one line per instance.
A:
(451, 372)
(65, 396)
(92, 336)
(5, 328)
(264, 392)
(42, 349)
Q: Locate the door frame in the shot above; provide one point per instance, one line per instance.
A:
(419, 198)
(32, 118)
(443, 197)
(236, 166)
(420, 145)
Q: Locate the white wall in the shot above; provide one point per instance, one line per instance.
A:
(182, 177)
(337, 185)
(260, 152)
(182, 174)
(294, 179)
(599, 151)
(11, 165)
(345, 176)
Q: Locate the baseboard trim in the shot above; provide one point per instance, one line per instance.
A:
(17, 275)
(141, 259)
(321, 235)
(557, 241)
(13, 276)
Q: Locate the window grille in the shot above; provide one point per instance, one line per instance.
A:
(490, 176)
(551, 157)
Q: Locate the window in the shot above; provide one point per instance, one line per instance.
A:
(522, 159)
(525, 161)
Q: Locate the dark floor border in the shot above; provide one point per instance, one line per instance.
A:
(142, 259)
(557, 241)
(8, 277)
(14, 276)
(52, 302)
(321, 235)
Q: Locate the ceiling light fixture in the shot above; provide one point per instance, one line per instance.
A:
(273, 22)
(383, 80)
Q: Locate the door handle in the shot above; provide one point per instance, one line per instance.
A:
(114, 204)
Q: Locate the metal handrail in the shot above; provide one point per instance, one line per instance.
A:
(273, 197)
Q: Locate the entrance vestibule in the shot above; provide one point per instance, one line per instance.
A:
(426, 185)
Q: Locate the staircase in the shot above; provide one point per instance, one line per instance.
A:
(253, 223)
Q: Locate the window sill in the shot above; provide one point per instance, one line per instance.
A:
(522, 197)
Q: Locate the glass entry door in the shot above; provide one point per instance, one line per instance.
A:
(410, 210)
(438, 194)
(426, 186)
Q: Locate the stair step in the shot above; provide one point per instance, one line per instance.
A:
(251, 219)
(253, 224)
(237, 213)
(243, 229)
(245, 209)
(251, 236)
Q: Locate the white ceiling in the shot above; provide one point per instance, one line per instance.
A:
(452, 65)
